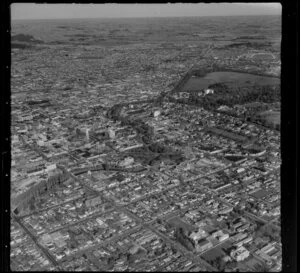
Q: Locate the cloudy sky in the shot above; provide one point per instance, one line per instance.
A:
(57, 11)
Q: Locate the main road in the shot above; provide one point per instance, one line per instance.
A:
(46, 253)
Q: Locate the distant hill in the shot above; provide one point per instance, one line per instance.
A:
(25, 38)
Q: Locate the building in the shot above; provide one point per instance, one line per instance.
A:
(202, 245)
(111, 133)
(156, 113)
(223, 237)
(93, 202)
(87, 134)
(222, 187)
(101, 222)
(244, 241)
(131, 147)
(51, 167)
(208, 91)
(220, 235)
(244, 227)
(240, 236)
(196, 236)
(127, 161)
(40, 143)
(15, 139)
(240, 254)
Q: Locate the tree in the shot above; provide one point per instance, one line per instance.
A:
(32, 204)
(220, 264)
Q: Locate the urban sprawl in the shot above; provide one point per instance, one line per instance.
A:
(117, 164)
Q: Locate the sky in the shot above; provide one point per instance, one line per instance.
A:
(66, 11)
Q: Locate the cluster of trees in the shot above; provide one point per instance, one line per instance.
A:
(24, 41)
(256, 45)
(174, 157)
(200, 73)
(157, 148)
(154, 152)
(149, 67)
(223, 95)
(183, 239)
(251, 206)
(262, 267)
(128, 257)
(220, 264)
(183, 81)
(25, 38)
(33, 102)
(269, 231)
(114, 112)
(258, 119)
(24, 202)
(234, 158)
(142, 128)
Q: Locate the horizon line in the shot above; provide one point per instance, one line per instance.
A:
(143, 17)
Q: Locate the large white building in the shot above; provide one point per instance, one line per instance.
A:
(208, 91)
(87, 134)
(111, 133)
(240, 254)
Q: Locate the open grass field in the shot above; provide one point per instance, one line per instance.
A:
(263, 56)
(176, 221)
(250, 265)
(240, 78)
(260, 193)
(229, 78)
(213, 254)
(195, 84)
(272, 117)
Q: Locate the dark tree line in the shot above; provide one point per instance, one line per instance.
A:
(223, 95)
(183, 239)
